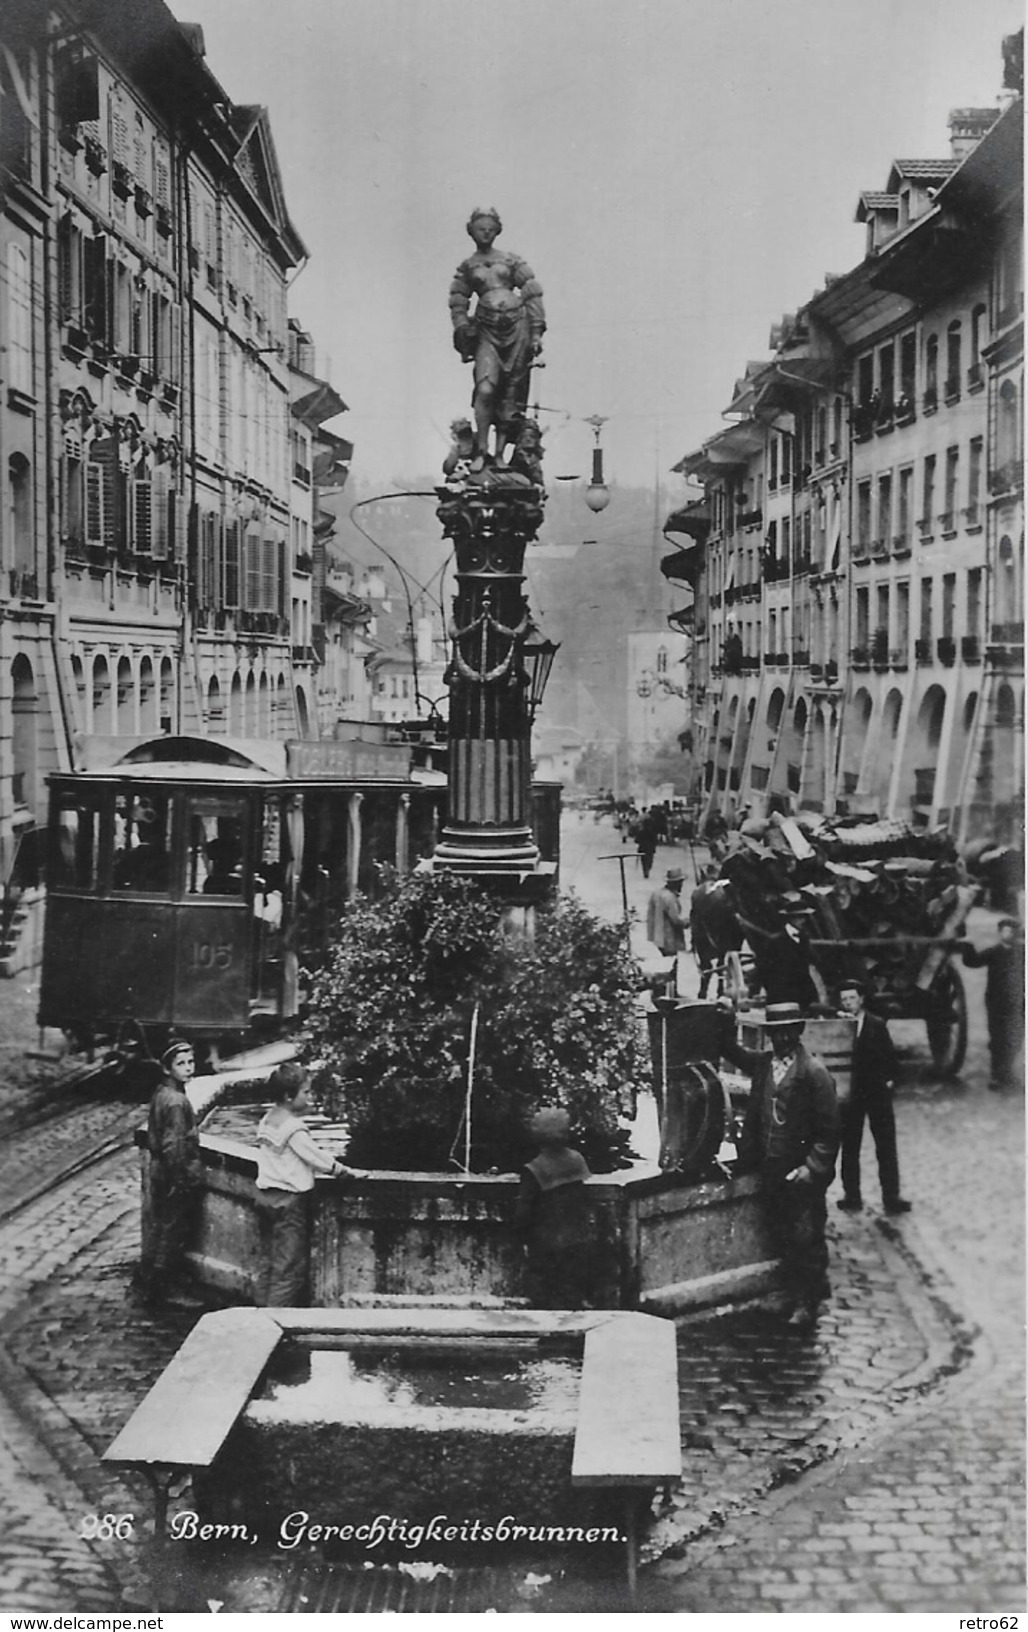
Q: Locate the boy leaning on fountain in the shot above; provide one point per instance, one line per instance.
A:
(555, 1217)
(287, 1160)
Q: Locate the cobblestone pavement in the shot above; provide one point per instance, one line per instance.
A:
(877, 1465)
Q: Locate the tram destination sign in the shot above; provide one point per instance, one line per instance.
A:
(353, 761)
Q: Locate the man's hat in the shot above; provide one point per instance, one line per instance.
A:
(784, 1014)
(1003, 922)
(674, 875)
(179, 1046)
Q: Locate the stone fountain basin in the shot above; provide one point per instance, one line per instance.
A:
(302, 1426)
(665, 1244)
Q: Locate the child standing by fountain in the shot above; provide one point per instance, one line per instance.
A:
(554, 1213)
(287, 1160)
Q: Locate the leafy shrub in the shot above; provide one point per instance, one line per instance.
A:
(389, 1023)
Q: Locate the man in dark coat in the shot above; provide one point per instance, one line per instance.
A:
(790, 1137)
(1004, 999)
(873, 1073)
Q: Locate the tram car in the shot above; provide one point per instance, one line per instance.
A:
(191, 880)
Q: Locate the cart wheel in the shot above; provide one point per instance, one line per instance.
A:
(947, 1024)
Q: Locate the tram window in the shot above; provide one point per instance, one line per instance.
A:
(75, 848)
(214, 847)
(142, 842)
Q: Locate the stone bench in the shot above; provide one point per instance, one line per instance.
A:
(628, 1434)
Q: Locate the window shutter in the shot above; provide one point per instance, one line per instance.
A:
(159, 512)
(232, 564)
(175, 331)
(142, 539)
(104, 458)
(95, 533)
(161, 179)
(119, 132)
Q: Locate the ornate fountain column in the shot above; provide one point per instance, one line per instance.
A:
(488, 829)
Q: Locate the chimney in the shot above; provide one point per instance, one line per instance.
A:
(967, 126)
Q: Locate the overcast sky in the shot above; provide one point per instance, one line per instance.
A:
(678, 173)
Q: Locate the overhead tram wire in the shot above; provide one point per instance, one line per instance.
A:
(378, 498)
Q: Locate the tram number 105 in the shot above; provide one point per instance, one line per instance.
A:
(211, 955)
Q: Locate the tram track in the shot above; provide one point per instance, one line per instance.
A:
(59, 1132)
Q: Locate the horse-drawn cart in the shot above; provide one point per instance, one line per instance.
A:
(879, 902)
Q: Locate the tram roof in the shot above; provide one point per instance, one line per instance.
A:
(185, 758)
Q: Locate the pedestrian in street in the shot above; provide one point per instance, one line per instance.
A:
(287, 1160)
(646, 841)
(665, 920)
(175, 1179)
(790, 1137)
(872, 1079)
(1004, 999)
(555, 1217)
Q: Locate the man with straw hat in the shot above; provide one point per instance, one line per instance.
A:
(790, 1137)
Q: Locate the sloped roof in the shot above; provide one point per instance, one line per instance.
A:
(875, 201)
(920, 170)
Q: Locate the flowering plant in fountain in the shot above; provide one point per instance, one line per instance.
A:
(417, 976)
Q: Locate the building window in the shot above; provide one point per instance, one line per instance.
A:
(948, 518)
(864, 514)
(885, 507)
(974, 367)
(1007, 433)
(974, 481)
(905, 517)
(928, 493)
(952, 387)
(974, 602)
(19, 492)
(926, 610)
(902, 618)
(931, 372)
(19, 320)
(949, 605)
(908, 368)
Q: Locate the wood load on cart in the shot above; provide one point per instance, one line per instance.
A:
(821, 901)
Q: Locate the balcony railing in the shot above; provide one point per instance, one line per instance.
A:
(930, 400)
(975, 377)
(880, 649)
(859, 657)
(951, 389)
(946, 647)
(922, 653)
(973, 515)
(880, 549)
(901, 545)
(970, 649)
(898, 658)
(947, 522)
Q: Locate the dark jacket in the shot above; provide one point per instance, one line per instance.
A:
(794, 1125)
(1004, 982)
(172, 1137)
(874, 1058)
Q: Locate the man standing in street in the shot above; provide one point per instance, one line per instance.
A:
(790, 1137)
(665, 921)
(873, 1076)
(1004, 1000)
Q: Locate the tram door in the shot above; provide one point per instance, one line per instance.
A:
(213, 974)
